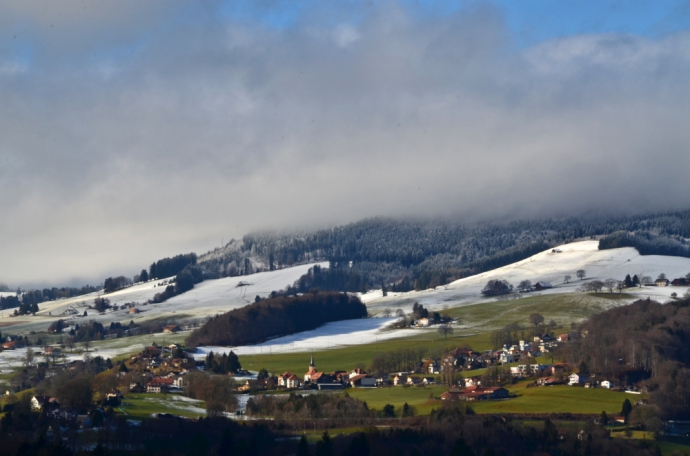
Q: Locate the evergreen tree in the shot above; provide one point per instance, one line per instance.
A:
(626, 409)
(324, 447)
(303, 447)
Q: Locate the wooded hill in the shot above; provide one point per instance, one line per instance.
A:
(278, 316)
(645, 344)
(406, 254)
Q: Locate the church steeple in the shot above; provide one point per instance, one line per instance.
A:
(312, 360)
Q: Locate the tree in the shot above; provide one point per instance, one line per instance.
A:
(399, 313)
(387, 312)
(662, 276)
(445, 329)
(303, 446)
(603, 418)
(646, 280)
(324, 447)
(567, 278)
(581, 274)
(525, 285)
(388, 411)
(610, 284)
(144, 276)
(536, 319)
(626, 409)
(29, 357)
(620, 285)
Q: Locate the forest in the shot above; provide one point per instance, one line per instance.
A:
(417, 254)
(277, 316)
(644, 343)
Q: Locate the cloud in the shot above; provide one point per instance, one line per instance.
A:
(202, 129)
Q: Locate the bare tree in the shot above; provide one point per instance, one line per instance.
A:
(525, 285)
(445, 329)
(387, 312)
(620, 285)
(687, 277)
(399, 313)
(87, 344)
(610, 284)
(29, 357)
(646, 280)
(662, 276)
(567, 278)
(581, 274)
(536, 319)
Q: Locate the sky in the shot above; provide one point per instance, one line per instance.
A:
(132, 131)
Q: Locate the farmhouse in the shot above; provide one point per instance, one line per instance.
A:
(542, 286)
(476, 393)
(171, 329)
(362, 380)
(661, 282)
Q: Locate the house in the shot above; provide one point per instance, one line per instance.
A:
(607, 384)
(113, 394)
(558, 369)
(563, 338)
(159, 384)
(292, 381)
(506, 358)
(134, 310)
(681, 282)
(245, 387)
(52, 351)
(423, 322)
(476, 393)
(661, 282)
(41, 403)
(577, 379)
(413, 381)
(282, 379)
(429, 381)
(356, 372)
(542, 286)
(362, 380)
(9, 345)
(171, 329)
(399, 379)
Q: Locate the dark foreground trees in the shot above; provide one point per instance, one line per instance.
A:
(277, 316)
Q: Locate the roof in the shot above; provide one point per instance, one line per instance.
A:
(359, 377)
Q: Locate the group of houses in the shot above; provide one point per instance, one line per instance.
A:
(355, 378)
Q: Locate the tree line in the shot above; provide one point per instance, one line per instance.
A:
(277, 316)
(644, 343)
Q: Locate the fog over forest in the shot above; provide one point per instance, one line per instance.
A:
(138, 132)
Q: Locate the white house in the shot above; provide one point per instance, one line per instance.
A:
(607, 384)
(577, 379)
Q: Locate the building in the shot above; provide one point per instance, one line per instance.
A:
(607, 384)
(160, 384)
(542, 286)
(362, 380)
(476, 393)
(577, 379)
(41, 403)
(661, 282)
(311, 374)
(423, 322)
(171, 329)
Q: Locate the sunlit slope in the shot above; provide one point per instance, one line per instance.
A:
(552, 266)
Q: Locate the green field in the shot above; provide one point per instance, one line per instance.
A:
(557, 399)
(397, 396)
(139, 406)
(552, 399)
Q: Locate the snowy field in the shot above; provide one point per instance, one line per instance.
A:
(549, 267)
(206, 299)
(331, 335)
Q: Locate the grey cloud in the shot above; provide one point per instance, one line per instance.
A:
(211, 129)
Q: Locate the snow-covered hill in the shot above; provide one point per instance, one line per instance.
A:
(551, 267)
(205, 299)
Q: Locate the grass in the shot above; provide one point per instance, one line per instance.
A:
(398, 396)
(139, 406)
(674, 445)
(552, 399)
(557, 399)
